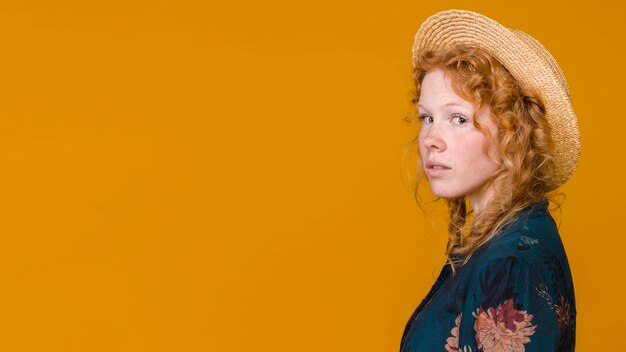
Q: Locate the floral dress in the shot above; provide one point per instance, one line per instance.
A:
(515, 294)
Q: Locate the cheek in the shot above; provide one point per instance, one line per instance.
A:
(473, 150)
(492, 149)
(492, 141)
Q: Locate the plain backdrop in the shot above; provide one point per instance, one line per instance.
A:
(226, 176)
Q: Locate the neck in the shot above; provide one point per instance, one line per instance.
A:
(480, 199)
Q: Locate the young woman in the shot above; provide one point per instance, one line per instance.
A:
(497, 134)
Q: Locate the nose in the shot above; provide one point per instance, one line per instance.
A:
(431, 137)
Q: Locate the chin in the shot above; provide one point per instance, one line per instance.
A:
(447, 195)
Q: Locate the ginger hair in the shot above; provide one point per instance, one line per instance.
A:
(524, 145)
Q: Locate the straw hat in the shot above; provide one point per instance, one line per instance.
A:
(526, 59)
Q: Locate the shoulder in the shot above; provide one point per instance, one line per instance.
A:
(527, 239)
(528, 252)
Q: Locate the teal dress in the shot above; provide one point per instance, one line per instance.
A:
(515, 294)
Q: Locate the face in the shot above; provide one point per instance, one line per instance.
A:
(452, 149)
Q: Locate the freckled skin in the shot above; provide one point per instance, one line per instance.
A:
(449, 138)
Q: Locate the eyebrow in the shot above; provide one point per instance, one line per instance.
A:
(452, 103)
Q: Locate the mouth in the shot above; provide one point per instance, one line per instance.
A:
(436, 166)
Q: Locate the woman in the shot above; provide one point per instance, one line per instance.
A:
(497, 134)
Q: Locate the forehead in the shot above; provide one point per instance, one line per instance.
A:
(438, 89)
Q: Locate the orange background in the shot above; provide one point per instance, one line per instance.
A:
(192, 176)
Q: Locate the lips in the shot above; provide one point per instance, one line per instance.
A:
(436, 166)
(436, 169)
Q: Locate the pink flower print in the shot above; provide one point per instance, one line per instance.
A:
(503, 328)
(452, 343)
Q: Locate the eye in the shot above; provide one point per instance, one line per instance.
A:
(458, 120)
(426, 119)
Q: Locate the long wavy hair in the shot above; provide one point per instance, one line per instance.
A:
(523, 142)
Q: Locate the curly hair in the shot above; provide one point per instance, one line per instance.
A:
(524, 144)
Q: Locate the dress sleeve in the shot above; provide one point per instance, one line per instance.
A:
(513, 305)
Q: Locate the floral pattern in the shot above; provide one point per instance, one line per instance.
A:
(563, 313)
(503, 328)
(499, 329)
(452, 343)
(513, 295)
